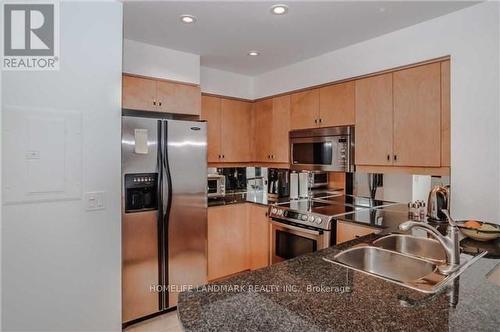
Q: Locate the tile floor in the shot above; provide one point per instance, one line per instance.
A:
(164, 323)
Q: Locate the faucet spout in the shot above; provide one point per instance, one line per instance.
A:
(449, 243)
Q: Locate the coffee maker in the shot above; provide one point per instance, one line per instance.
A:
(278, 183)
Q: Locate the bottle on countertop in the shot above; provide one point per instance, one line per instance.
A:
(423, 211)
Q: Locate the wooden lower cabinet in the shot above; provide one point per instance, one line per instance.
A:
(228, 244)
(259, 236)
(348, 231)
(238, 239)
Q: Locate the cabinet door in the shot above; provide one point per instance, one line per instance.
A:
(336, 106)
(263, 130)
(374, 118)
(445, 114)
(138, 93)
(259, 236)
(304, 111)
(211, 112)
(281, 127)
(178, 98)
(236, 130)
(347, 232)
(227, 240)
(417, 116)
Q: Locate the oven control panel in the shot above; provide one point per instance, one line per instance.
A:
(308, 219)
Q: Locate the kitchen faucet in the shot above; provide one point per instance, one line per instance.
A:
(450, 242)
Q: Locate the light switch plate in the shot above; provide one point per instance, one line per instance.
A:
(95, 200)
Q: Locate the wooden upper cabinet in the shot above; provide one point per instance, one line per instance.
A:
(336, 105)
(280, 128)
(138, 93)
(374, 119)
(148, 94)
(211, 112)
(178, 98)
(262, 130)
(236, 130)
(417, 116)
(445, 114)
(304, 112)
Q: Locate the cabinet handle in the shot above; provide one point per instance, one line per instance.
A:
(388, 157)
(320, 120)
(222, 156)
(395, 157)
(315, 120)
(154, 102)
(159, 103)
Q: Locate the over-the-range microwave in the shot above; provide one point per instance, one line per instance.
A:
(327, 149)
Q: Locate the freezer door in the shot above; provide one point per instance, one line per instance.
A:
(140, 269)
(186, 219)
(139, 144)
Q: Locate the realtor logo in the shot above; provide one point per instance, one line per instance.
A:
(31, 36)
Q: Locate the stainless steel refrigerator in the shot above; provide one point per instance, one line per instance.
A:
(164, 212)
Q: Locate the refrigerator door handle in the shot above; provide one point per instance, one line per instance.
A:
(167, 204)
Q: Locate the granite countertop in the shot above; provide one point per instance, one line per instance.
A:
(309, 294)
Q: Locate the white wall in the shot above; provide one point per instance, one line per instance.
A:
(226, 83)
(154, 61)
(471, 36)
(61, 264)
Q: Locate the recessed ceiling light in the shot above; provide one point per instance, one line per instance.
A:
(253, 53)
(279, 9)
(188, 19)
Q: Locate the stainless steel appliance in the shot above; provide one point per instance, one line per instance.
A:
(216, 185)
(164, 217)
(437, 201)
(306, 225)
(318, 179)
(327, 149)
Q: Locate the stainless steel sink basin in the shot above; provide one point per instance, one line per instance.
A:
(386, 263)
(428, 249)
(417, 273)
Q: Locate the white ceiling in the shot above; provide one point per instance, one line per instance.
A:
(226, 31)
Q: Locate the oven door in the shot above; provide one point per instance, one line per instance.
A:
(327, 153)
(288, 241)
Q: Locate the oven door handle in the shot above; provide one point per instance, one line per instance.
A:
(295, 228)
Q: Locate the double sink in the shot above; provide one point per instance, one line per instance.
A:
(403, 259)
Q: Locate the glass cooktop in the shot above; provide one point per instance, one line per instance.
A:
(326, 209)
(358, 201)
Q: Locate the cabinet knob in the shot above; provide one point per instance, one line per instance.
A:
(388, 157)
(320, 120)
(395, 157)
(222, 156)
(159, 103)
(315, 120)
(154, 102)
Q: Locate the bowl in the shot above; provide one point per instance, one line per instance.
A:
(485, 232)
